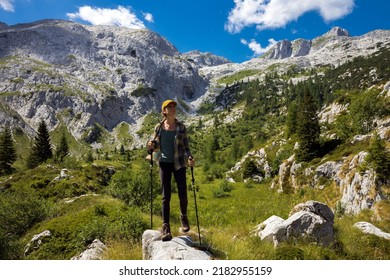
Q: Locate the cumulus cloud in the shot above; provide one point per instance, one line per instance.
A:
(7, 5)
(257, 48)
(98, 16)
(268, 14)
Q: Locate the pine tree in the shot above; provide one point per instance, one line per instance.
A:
(63, 149)
(7, 151)
(41, 149)
(122, 150)
(89, 158)
(291, 120)
(379, 157)
(308, 129)
(249, 169)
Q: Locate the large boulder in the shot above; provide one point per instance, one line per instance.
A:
(179, 248)
(312, 221)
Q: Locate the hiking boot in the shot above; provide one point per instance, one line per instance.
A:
(166, 232)
(185, 226)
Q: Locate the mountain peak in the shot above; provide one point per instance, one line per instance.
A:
(337, 31)
(3, 25)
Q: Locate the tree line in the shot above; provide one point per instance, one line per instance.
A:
(40, 152)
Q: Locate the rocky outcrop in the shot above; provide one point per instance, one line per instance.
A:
(359, 188)
(282, 49)
(64, 174)
(331, 112)
(287, 178)
(179, 248)
(94, 251)
(310, 221)
(301, 47)
(286, 48)
(36, 242)
(204, 59)
(371, 229)
(260, 159)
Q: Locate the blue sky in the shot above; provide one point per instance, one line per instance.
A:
(235, 29)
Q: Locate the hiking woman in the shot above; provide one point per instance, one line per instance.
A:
(172, 142)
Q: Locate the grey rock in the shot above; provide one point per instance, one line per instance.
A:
(36, 242)
(371, 229)
(337, 31)
(94, 251)
(360, 190)
(261, 161)
(300, 47)
(204, 59)
(64, 174)
(179, 248)
(312, 221)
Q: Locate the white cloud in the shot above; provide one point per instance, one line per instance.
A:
(7, 5)
(268, 14)
(98, 16)
(257, 48)
(148, 17)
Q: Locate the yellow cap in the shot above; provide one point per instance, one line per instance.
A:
(166, 103)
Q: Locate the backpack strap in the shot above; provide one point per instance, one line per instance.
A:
(157, 131)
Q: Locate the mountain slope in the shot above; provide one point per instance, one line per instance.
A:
(82, 75)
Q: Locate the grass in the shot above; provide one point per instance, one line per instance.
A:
(238, 76)
(79, 222)
(226, 223)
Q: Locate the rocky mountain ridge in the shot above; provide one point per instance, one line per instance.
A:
(302, 47)
(79, 76)
(82, 75)
(332, 49)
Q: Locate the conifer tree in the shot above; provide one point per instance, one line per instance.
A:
(291, 120)
(249, 169)
(41, 149)
(63, 149)
(89, 158)
(379, 157)
(7, 151)
(122, 150)
(308, 129)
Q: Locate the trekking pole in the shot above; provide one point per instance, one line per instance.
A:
(151, 188)
(196, 206)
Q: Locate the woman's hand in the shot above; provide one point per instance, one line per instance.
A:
(151, 145)
(191, 161)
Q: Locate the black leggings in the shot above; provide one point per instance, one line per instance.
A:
(166, 171)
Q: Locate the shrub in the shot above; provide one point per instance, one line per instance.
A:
(20, 209)
(9, 247)
(249, 169)
(132, 188)
(224, 190)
